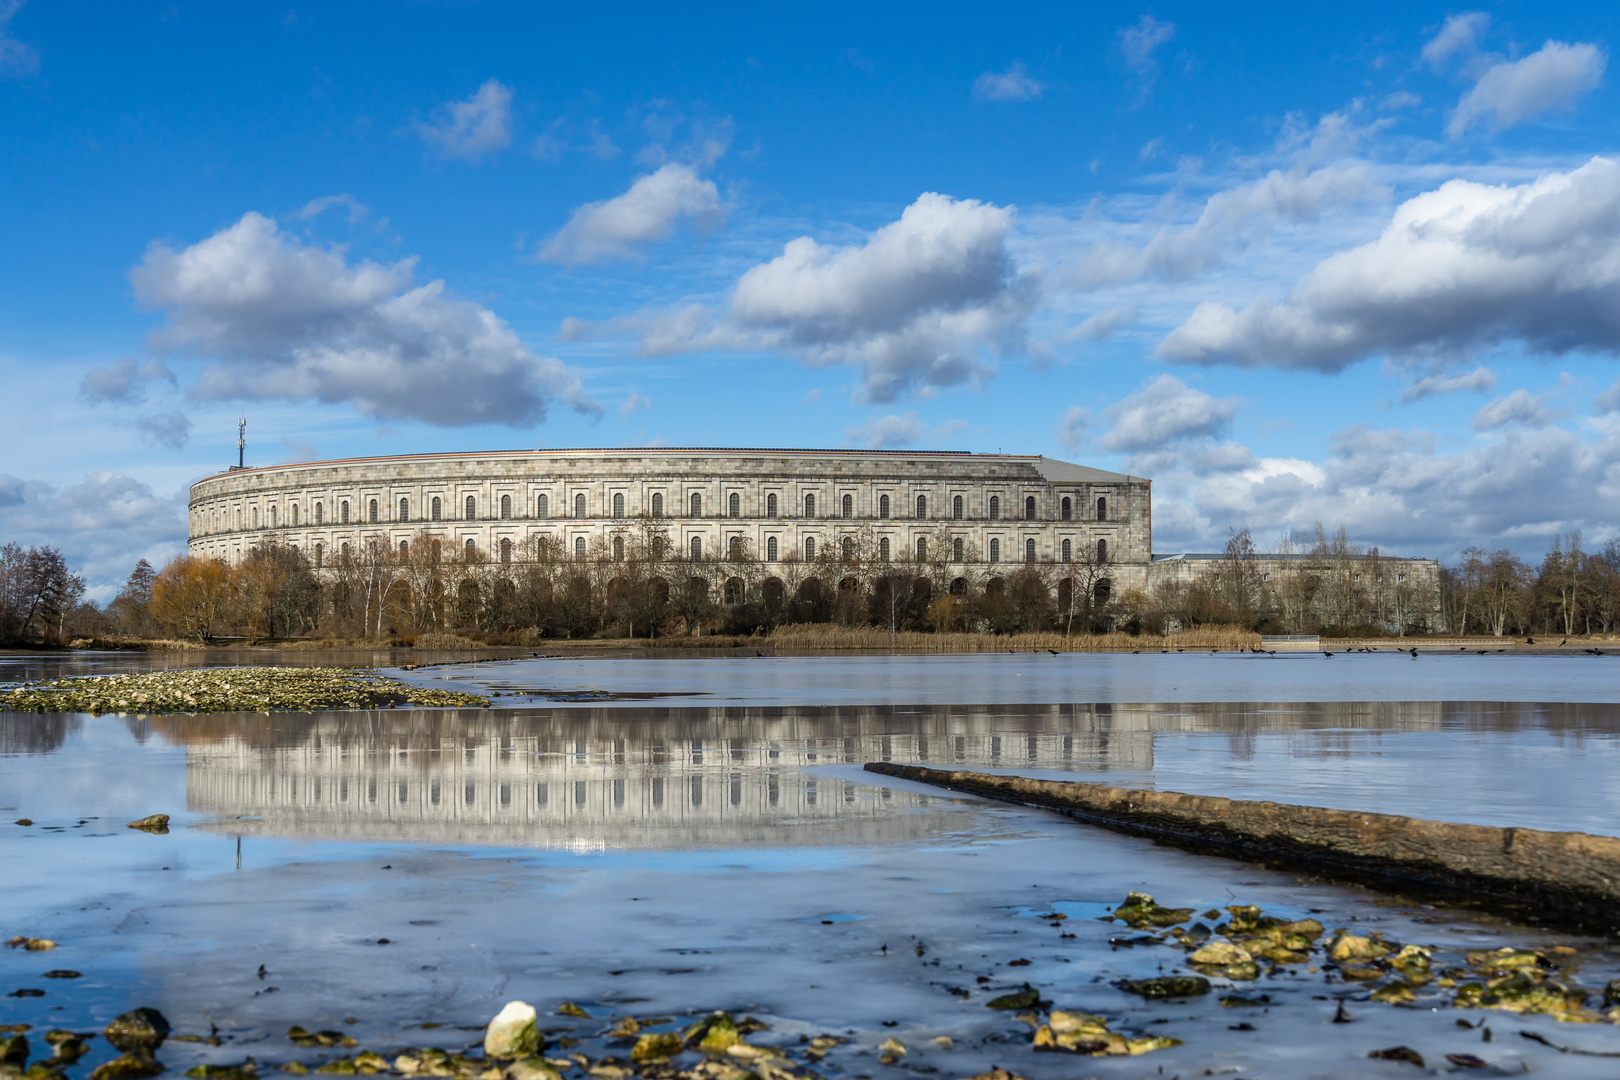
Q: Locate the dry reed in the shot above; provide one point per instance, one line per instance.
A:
(823, 636)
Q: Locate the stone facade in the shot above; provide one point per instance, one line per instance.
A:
(1003, 508)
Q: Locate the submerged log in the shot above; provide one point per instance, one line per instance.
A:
(1566, 877)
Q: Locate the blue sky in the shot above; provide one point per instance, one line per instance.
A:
(1357, 265)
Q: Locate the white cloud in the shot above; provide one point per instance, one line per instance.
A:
(1466, 266)
(1480, 379)
(1458, 37)
(16, 58)
(1072, 431)
(1151, 149)
(1139, 42)
(1608, 401)
(923, 303)
(472, 128)
(103, 524)
(883, 432)
(120, 384)
(1400, 99)
(171, 430)
(288, 322)
(1519, 407)
(623, 226)
(632, 403)
(1014, 84)
(1163, 412)
(1553, 77)
(1101, 326)
(353, 207)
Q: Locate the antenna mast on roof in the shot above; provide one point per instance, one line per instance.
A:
(241, 443)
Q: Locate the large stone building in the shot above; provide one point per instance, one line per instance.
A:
(988, 508)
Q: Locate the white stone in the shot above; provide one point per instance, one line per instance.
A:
(513, 1033)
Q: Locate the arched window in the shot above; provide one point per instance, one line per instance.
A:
(1102, 551)
(295, 515)
(472, 508)
(734, 590)
(809, 506)
(404, 509)
(1067, 551)
(734, 548)
(579, 547)
(849, 506)
(579, 505)
(734, 505)
(371, 512)
(696, 546)
(849, 548)
(343, 552)
(658, 504)
(922, 549)
(506, 550)
(770, 505)
(256, 516)
(343, 511)
(770, 546)
(883, 507)
(506, 507)
(956, 508)
(809, 547)
(319, 549)
(472, 547)
(922, 508)
(618, 504)
(1067, 513)
(436, 509)
(697, 505)
(272, 517)
(542, 507)
(1029, 508)
(883, 549)
(618, 549)
(319, 516)
(995, 508)
(1102, 509)
(1029, 550)
(995, 551)
(404, 548)
(956, 549)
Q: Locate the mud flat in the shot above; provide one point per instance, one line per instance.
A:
(1567, 877)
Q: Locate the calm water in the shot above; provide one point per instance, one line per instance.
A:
(712, 842)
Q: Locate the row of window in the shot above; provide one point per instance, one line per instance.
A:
(733, 509)
(735, 549)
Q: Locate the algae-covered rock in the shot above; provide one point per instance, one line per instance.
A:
(1348, 946)
(891, 1050)
(1527, 991)
(245, 1071)
(1412, 960)
(1611, 993)
(1027, 998)
(138, 1029)
(1395, 993)
(1147, 1045)
(14, 1050)
(714, 1034)
(1140, 909)
(656, 1046)
(157, 824)
(1166, 986)
(1506, 960)
(514, 1032)
(296, 1068)
(627, 1028)
(136, 1063)
(1219, 954)
(568, 1008)
(43, 1070)
(67, 1047)
(532, 1068)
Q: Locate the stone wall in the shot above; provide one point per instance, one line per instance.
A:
(773, 500)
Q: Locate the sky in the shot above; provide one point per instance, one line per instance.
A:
(1356, 264)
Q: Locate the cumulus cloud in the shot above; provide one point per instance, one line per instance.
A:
(1466, 266)
(922, 303)
(1014, 84)
(1138, 43)
(1608, 401)
(1480, 379)
(1163, 412)
(884, 432)
(624, 226)
(16, 58)
(121, 383)
(1519, 407)
(104, 524)
(1459, 36)
(1103, 325)
(285, 321)
(1513, 91)
(472, 128)
(171, 430)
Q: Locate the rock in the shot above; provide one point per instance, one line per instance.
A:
(1219, 954)
(513, 1033)
(1396, 993)
(532, 1068)
(1167, 986)
(1399, 1053)
(296, 1068)
(14, 1050)
(996, 1073)
(138, 1029)
(137, 1062)
(1027, 998)
(891, 1050)
(1150, 1044)
(628, 1028)
(656, 1046)
(714, 1034)
(43, 1070)
(32, 944)
(568, 1008)
(245, 1071)
(1140, 909)
(941, 1041)
(1348, 946)
(157, 824)
(1611, 993)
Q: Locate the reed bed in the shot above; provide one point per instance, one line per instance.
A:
(866, 638)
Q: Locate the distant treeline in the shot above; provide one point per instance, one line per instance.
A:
(638, 585)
